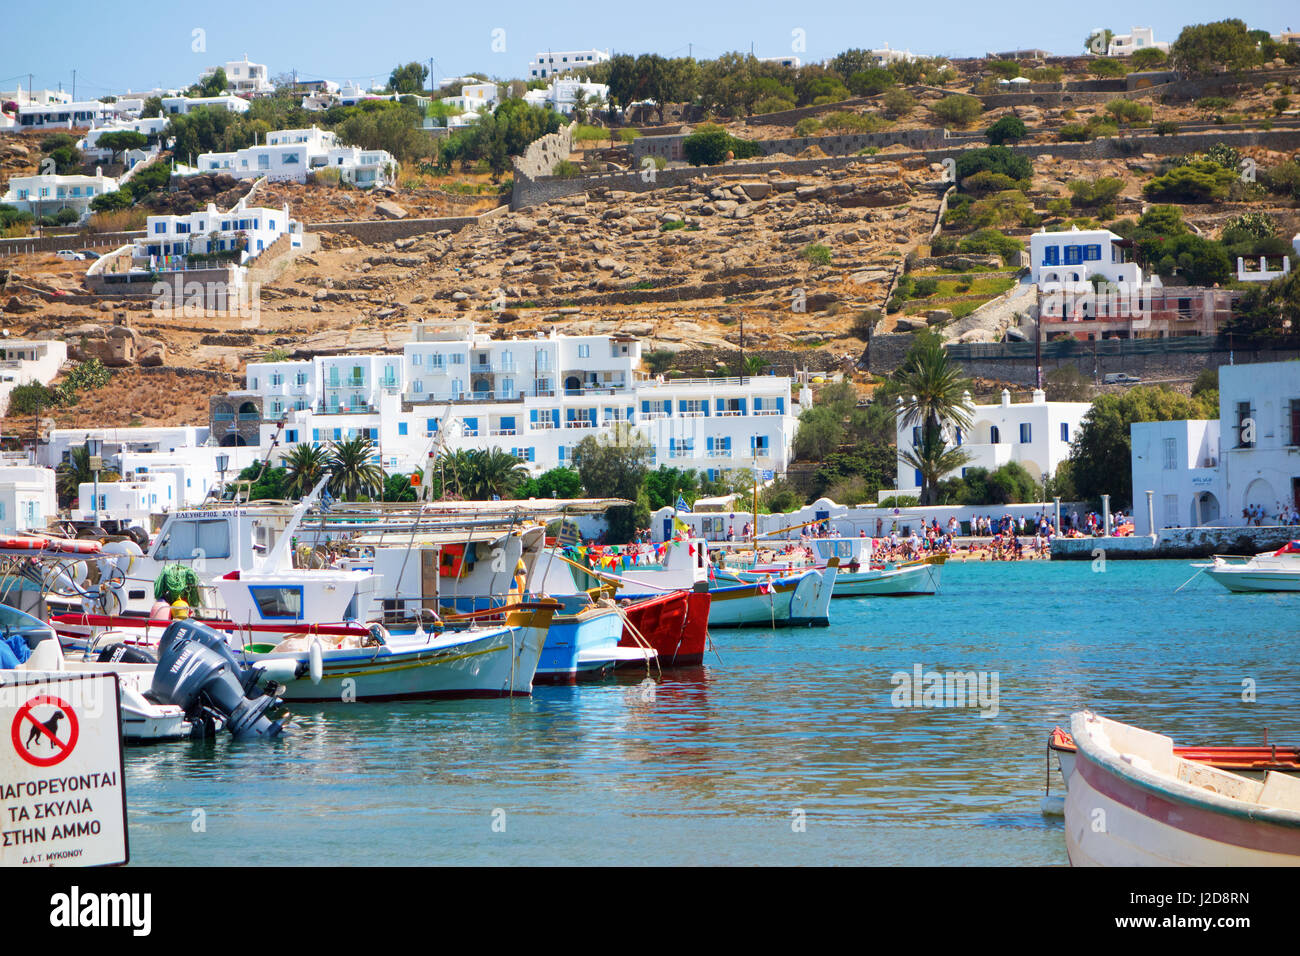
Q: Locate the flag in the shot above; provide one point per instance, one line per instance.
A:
(682, 505)
(680, 525)
(1291, 547)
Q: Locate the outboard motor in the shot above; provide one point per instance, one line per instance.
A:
(197, 670)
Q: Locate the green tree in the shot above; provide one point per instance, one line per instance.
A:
(615, 467)
(820, 432)
(354, 469)
(932, 391)
(1148, 58)
(1008, 129)
(1101, 456)
(409, 78)
(73, 473)
(304, 466)
(398, 487)
(122, 140)
(556, 483)
(1212, 47)
(664, 485)
(993, 159)
(959, 110)
(213, 85)
(870, 82)
(491, 473)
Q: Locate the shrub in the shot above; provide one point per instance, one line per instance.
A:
(898, 103)
(1213, 103)
(1282, 179)
(565, 169)
(1105, 66)
(1149, 58)
(627, 134)
(1059, 206)
(1047, 74)
(986, 182)
(709, 146)
(1129, 111)
(991, 242)
(1166, 128)
(816, 254)
(957, 109)
(1282, 104)
(1072, 133)
(1009, 129)
(1007, 69)
(870, 82)
(773, 104)
(808, 126)
(328, 176)
(1201, 181)
(27, 399)
(994, 159)
(1092, 193)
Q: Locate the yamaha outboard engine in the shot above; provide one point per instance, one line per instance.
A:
(197, 670)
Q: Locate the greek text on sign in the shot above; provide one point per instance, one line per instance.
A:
(62, 797)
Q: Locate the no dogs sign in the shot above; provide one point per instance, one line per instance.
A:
(62, 797)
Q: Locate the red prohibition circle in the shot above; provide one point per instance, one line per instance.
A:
(24, 721)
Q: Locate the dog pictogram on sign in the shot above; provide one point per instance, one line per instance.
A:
(45, 730)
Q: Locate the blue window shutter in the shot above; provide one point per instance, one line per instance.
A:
(917, 472)
(709, 443)
(959, 436)
(338, 434)
(315, 434)
(780, 405)
(1065, 431)
(668, 406)
(645, 408)
(555, 417)
(672, 445)
(401, 428)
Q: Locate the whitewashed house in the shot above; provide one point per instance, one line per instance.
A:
(1076, 255)
(555, 62)
(251, 229)
(243, 78)
(27, 497)
(25, 97)
(293, 154)
(146, 126)
(183, 105)
(87, 113)
(1037, 434)
(536, 398)
(25, 361)
(1141, 38)
(1209, 472)
(45, 195)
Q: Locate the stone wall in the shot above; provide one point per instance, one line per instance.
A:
(886, 351)
(386, 230)
(539, 160)
(670, 147)
(1173, 543)
(784, 361)
(76, 241)
(1149, 366)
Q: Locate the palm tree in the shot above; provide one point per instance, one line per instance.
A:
(453, 471)
(933, 397)
(75, 472)
(492, 472)
(305, 464)
(354, 472)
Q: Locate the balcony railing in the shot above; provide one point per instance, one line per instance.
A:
(580, 423)
(719, 453)
(651, 416)
(503, 431)
(541, 426)
(728, 413)
(766, 411)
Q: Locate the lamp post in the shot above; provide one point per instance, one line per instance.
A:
(222, 462)
(93, 448)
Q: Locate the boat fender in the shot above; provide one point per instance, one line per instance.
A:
(316, 662)
(280, 671)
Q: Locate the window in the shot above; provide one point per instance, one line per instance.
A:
(1171, 454)
(1073, 255)
(1294, 420)
(264, 161)
(1052, 256)
(584, 351)
(401, 428)
(1026, 433)
(994, 435)
(277, 602)
(1065, 431)
(186, 540)
(1171, 511)
(1092, 253)
(1245, 426)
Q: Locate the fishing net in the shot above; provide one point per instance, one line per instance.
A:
(177, 581)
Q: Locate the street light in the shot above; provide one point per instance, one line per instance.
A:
(222, 462)
(93, 448)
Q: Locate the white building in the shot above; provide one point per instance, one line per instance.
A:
(536, 398)
(1142, 38)
(89, 144)
(1037, 435)
(80, 114)
(1210, 472)
(885, 56)
(25, 361)
(292, 154)
(563, 94)
(250, 229)
(181, 105)
(474, 97)
(789, 61)
(45, 195)
(243, 77)
(27, 497)
(25, 97)
(1077, 255)
(130, 501)
(554, 62)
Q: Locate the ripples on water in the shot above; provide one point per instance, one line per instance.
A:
(720, 765)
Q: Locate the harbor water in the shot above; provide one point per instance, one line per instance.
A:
(786, 747)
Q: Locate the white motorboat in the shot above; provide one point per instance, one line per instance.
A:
(143, 719)
(1132, 801)
(1271, 571)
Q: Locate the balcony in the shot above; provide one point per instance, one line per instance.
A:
(541, 426)
(728, 413)
(580, 423)
(497, 432)
(719, 453)
(324, 409)
(652, 416)
(766, 411)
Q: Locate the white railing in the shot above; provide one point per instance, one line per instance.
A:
(580, 423)
(503, 431)
(720, 453)
(652, 416)
(542, 425)
(729, 413)
(691, 415)
(766, 411)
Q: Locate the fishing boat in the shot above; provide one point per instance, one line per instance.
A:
(1271, 571)
(796, 599)
(859, 575)
(1133, 801)
(674, 624)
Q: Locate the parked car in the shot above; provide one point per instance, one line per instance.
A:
(1120, 378)
(90, 255)
(67, 255)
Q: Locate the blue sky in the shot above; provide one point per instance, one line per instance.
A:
(153, 46)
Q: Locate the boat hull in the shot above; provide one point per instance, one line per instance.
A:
(1255, 581)
(797, 601)
(915, 580)
(675, 625)
(489, 662)
(580, 646)
(1119, 811)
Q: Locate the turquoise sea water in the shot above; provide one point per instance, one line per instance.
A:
(787, 750)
